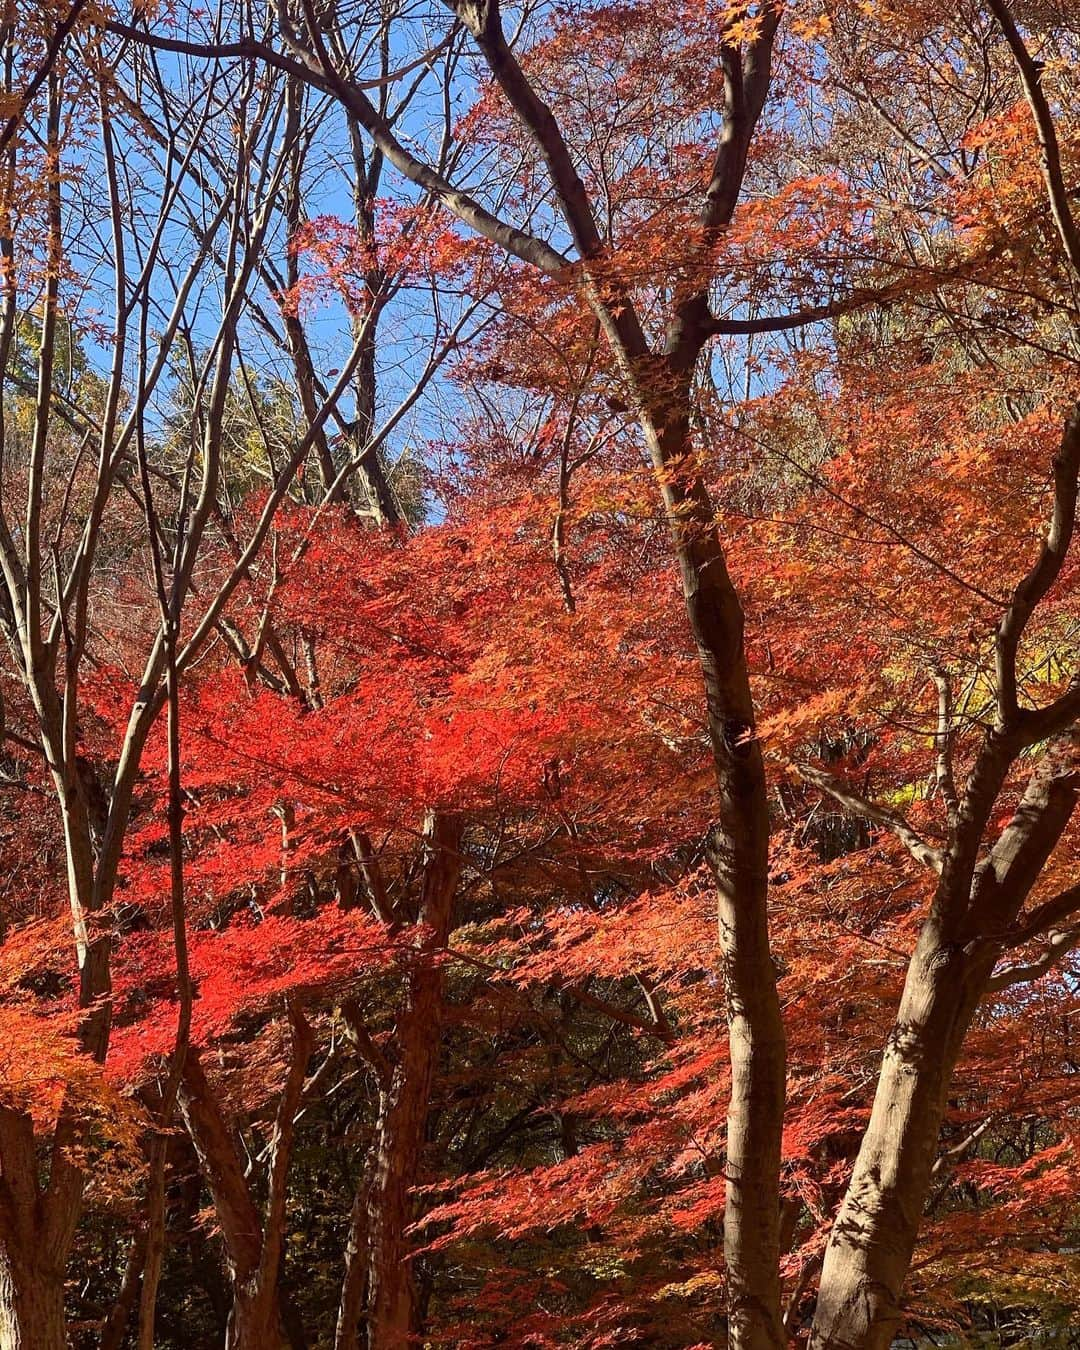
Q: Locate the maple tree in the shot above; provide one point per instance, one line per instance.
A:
(474, 942)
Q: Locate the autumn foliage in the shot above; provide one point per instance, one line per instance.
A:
(541, 698)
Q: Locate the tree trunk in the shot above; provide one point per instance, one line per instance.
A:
(38, 1222)
(255, 1316)
(738, 855)
(874, 1235)
(871, 1244)
(34, 1241)
(31, 1306)
(399, 1134)
(255, 1321)
(403, 1104)
(354, 1285)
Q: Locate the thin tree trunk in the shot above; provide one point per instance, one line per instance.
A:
(403, 1104)
(154, 1248)
(354, 1285)
(738, 855)
(660, 384)
(114, 1332)
(254, 1241)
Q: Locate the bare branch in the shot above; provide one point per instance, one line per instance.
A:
(1031, 79)
(1061, 943)
(944, 737)
(251, 49)
(44, 70)
(1043, 573)
(1048, 915)
(364, 1043)
(318, 66)
(880, 815)
(956, 1151)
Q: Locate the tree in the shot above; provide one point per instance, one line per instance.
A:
(864, 1269)
(55, 586)
(767, 329)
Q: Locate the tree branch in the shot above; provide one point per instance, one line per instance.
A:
(252, 50)
(956, 1151)
(1061, 943)
(1030, 78)
(319, 66)
(944, 737)
(63, 28)
(1047, 915)
(880, 815)
(364, 1043)
(1042, 574)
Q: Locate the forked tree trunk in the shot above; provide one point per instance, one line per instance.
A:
(874, 1235)
(872, 1240)
(255, 1321)
(254, 1239)
(254, 1318)
(403, 1104)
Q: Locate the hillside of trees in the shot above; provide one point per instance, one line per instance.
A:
(540, 682)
